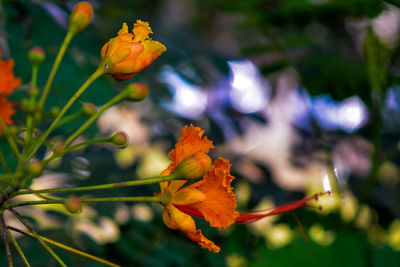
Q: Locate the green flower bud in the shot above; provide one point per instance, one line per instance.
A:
(137, 91)
(73, 204)
(119, 139)
(36, 55)
(88, 109)
(193, 167)
(34, 168)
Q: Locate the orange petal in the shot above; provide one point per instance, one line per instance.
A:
(6, 110)
(218, 208)
(188, 196)
(203, 241)
(8, 82)
(181, 220)
(190, 142)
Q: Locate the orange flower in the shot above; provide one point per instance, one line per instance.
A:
(128, 54)
(6, 110)
(8, 82)
(212, 197)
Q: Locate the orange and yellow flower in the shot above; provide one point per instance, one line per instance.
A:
(211, 198)
(8, 82)
(128, 54)
(6, 110)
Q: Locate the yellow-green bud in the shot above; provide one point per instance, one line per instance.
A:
(34, 168)
(36, 55)
(81, 16)
(54, 111)
(88, 109)
(193, 167)
(59, 149)
(73, 204)
(119, 139)
(137, 91)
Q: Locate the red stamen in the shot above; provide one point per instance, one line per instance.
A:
(252, 216)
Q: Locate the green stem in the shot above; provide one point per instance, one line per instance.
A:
(88, 200)
(29, 227)
(4, 163)
(68, 37)
(88, 143)
(70, 118)
(35, 71)
(16, 245)
(54, 243)
(99, 72)
(10, 139)
(116, 99)
(99, 187)
(5, 239)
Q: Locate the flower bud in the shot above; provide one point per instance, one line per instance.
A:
(34, 92)
(36, 55)
(81, 16)
(73, 204)
(54, 111)
(137, 91)
(129, 53)
(88, 109)
(193, 167)
(119, 139)
(34, 168)
(59, 149)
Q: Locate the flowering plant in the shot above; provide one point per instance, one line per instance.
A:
(191, 186)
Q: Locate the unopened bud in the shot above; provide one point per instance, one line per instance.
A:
(81, 16)
(54, 111)
(119, 139)
(34, 92)
(88, 109)
(137, 91)
(73, 204)
(34, 168)
(59, 149)
(193, 167)
(36, 55)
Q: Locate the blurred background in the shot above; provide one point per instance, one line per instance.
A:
(302, 96)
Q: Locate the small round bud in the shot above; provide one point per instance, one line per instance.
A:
(81, 16)
(25, 104)
(34, 168)
(38, 116)
(73, 204)
(34, 92)
(36, 55)
(88, 109)
(59, 149)
(193, 167)
(54, 111)
(119, 139)
(137, 91)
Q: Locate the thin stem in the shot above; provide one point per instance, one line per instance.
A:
(99, 187)
(89, 200)
(4, 163)
(70, 118)
(99, 72)
(16, 245)
(35, 71)
(116, 99)
(68, 37)
(54, 243)
(29, 227)
(5, 239)
(88, 143)
(10, 139)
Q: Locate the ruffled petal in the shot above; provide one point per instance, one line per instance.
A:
(6, 110)
(203, 241)
(190, 142)
(219, 206)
